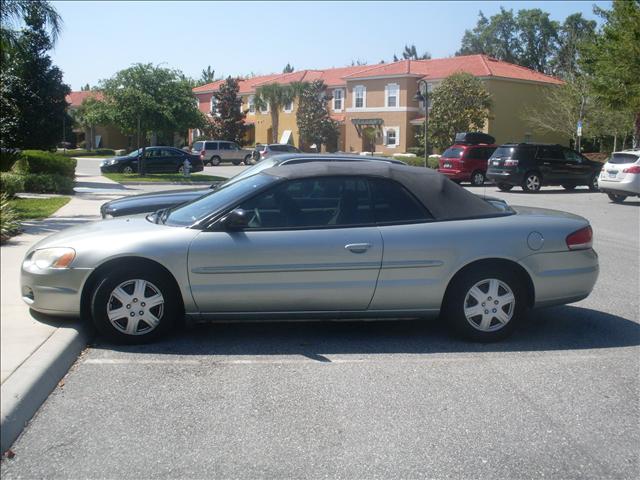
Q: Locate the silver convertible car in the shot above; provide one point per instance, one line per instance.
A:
(317, 241)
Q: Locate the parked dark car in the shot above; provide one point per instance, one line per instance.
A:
(265, 151)
(150, 202)
(466, 159)
(532, 166)
(157, 160)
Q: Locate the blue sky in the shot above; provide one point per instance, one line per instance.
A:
(236, 38)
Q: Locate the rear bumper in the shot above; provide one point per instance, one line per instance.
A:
(625, 187)
(562, 277)
(509, 177)
(452, 174)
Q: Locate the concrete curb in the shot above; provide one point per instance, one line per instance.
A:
(31, 383)
(205, 182)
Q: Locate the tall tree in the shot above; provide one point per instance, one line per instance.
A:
(314, 122)
(538, 37)
(14, 13)
(273, 96)
(613, 59)
(158, 100)
(410, 53)
(208, 76)
(288, 68)
(228, 121)
(36, 88)
(459, 104)
(575, 31)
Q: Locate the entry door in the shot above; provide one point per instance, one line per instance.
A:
(311, 245)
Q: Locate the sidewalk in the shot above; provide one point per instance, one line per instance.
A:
(36, 352)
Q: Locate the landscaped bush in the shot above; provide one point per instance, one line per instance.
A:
(79, 152)
(9, 224)
(8, 156)
(12, 183)
(432, 161)
(38, 161)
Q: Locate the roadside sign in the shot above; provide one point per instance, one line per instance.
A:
(579, 128)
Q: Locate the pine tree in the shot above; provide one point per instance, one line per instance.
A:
(228, 121)
(288, 68)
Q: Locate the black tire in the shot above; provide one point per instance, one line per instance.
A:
(247, 159)
(127, 169)
(505, 187)
(593, 183)
(569, 187)
(477, 178)
(532, 182)
(236, 162)
(167, 314)
(456, 299)
(615, 198)
(215, 161)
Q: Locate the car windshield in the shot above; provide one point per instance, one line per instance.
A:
(453, 152)
(135, 153)
(623, 158)
(217, 200)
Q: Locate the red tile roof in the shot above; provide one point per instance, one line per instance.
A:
(477, 65)
(75, 99)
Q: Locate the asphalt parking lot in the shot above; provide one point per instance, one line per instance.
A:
(367, 400)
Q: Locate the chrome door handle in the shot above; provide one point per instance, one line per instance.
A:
(358, 247)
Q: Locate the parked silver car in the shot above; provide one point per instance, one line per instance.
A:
(262, 152)
(214, 152)
(321, 240)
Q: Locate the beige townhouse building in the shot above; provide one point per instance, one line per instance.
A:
(375, 105)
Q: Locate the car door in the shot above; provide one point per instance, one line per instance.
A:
(578, 171)
(311, 245)
(226, 154)
(414, 259)
(168, 160)
(551, 163)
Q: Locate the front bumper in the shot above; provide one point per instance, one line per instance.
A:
(115, 168)
(562, 277)
(53, 291)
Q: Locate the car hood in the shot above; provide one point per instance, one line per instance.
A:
(155, 200)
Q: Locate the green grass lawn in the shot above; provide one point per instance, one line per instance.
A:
(162, 177)
(35, 208)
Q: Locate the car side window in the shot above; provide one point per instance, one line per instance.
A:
(211, 146)
(550, 153)
(311, 203)
(571, 156)
(392, 203)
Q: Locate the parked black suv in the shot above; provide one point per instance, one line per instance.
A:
(531, 166)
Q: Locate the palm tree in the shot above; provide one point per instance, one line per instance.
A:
(13, 13)
(274, 96)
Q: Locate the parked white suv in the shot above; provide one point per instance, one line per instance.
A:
(620, 176)
(213, 152)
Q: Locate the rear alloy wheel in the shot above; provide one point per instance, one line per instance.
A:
(593, 184)
(485, 305)
(505, 187)
(477, 178)
(128, 170)
(569, 187)
(215, 161)
(134, 307)
(247, 160)
(236, 162)
(532, 182)
(614, 197)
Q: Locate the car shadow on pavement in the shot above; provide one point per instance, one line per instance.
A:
(558, 328)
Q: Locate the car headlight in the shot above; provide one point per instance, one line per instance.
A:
(112, 162)
(60, 257)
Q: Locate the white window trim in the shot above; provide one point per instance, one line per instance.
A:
(284, 108)
(385, 136)
(387, 89)
(250, 104)
(342, 99)
(364, 97)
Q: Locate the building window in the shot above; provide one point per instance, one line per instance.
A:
(252, 104)
(359, 96)
(288, 107)
(392, 93)
(213, 107)
(264, 108)
(392, 136)
(338, 98)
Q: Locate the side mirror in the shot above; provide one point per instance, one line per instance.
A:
(235, 220)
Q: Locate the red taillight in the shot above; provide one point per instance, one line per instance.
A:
(201, 154)
(580, 239)
(511, 163)
(634, 169)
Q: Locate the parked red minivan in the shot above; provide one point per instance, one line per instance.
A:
(466, 159)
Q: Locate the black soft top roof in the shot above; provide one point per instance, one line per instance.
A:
(442, 197)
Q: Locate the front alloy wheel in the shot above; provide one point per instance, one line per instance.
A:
(477, 179)
(593, 185)
(135, 307)
(128, 170)
(532, 182)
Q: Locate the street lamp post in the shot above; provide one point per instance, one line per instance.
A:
(422, 95)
